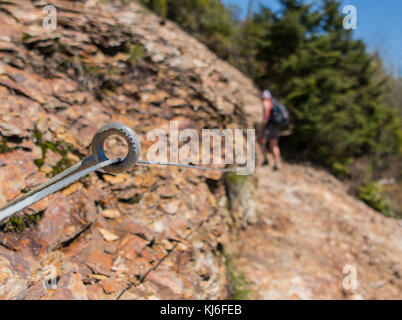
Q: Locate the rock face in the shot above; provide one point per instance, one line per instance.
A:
(155, 232)
(151, 233)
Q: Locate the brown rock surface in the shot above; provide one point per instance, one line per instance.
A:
(309, 229)
(104, 236)
(57, 88)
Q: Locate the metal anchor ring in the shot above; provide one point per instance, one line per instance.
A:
(97, 160)
(133, 144)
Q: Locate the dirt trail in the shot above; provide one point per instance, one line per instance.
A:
(308, 230)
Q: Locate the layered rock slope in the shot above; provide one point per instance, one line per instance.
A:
(149, 233)
(156, 232)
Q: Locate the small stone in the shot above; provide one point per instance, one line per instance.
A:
(110, 249)
(182, 247)
(72, 189)
(171, 207)
(99, 262)
(168, 280)
(3, 276)
(175, 102)
(159, 57)
(34, 180)
(117, 179)
(111, 213)
(9, 130)
(132, 245)
(167, 192)
(110, 286)
(159, 226)
(98, 276)
(107, 235)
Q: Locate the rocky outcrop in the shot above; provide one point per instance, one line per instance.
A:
(151, 233)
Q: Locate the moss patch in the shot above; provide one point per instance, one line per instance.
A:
(136, 52)
(374, 196)
(239, 287)
(234, 179)
(18, 224)
(393, 192)
(4, 148)
(60, 147)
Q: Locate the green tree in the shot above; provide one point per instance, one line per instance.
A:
(326, 78)
(208, 20)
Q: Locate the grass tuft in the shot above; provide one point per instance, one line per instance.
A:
(239, 287)
(373, 195)
(18, 224)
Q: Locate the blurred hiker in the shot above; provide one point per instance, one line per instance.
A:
(275, 114)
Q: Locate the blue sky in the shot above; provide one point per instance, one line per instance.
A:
(379, 24)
